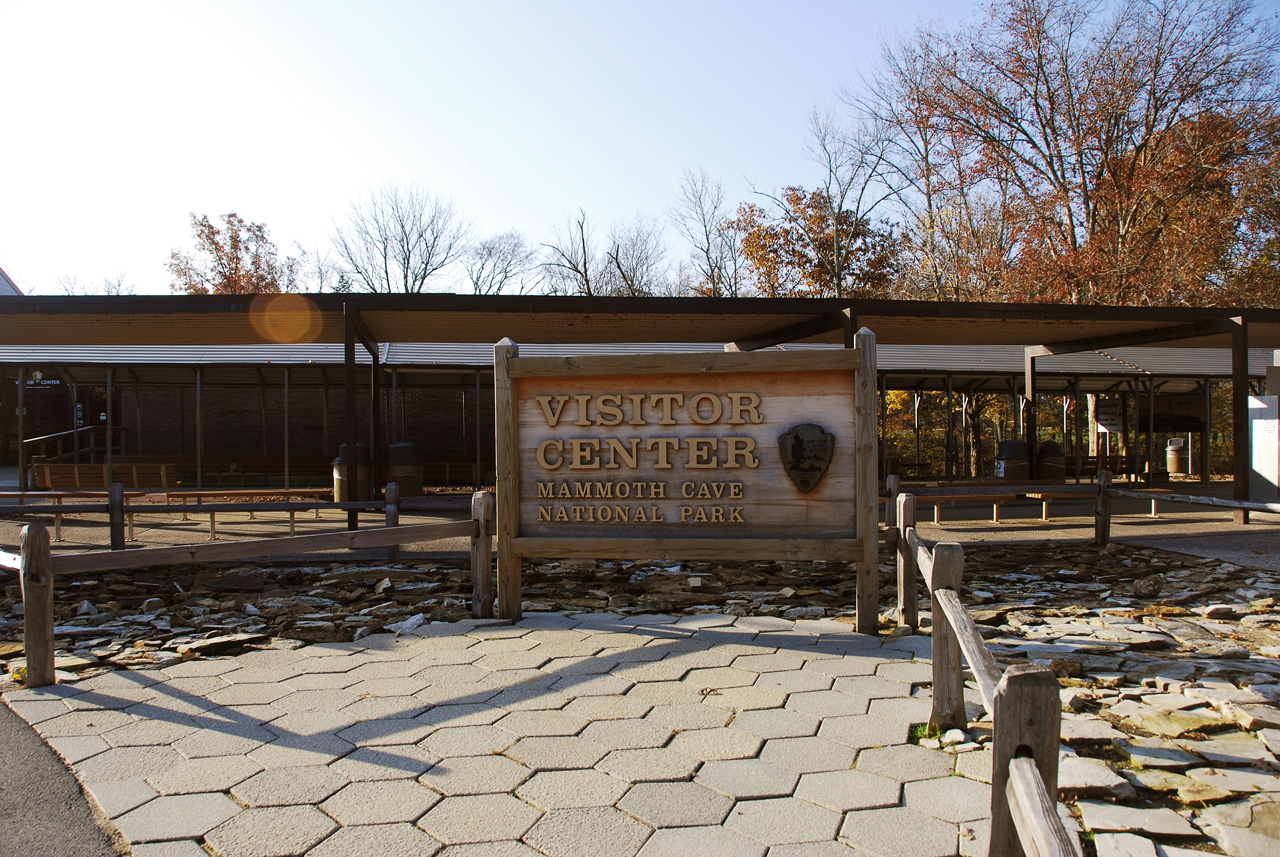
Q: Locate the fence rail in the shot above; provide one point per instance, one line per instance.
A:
(1023, 700)
(37, 568)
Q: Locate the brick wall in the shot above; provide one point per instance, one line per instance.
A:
(439, 421)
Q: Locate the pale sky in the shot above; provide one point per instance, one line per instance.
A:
(117, 120)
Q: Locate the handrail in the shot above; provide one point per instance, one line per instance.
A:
(10, 561)
(1034, 814)
(59, 434)
(1022, 700)
(986, 671)
(1251, 505)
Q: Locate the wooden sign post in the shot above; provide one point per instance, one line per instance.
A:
(758, 455)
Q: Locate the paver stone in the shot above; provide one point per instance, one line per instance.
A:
(282, 831)
(176, 817)
(702, 841)
(587, 832)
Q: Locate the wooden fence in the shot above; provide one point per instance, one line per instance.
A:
(37, 568)
(1023, 700)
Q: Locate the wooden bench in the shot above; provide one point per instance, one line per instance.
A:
(938, 499)
(67, 477)
(1046, 496)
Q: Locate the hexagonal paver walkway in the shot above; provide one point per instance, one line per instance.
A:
(562, 735)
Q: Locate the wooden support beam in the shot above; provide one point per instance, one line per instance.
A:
(1031, 435)
(1240, 450)
(1195, 330)
(865, 500)
(352, 412)
(508, 500)
(791, 333)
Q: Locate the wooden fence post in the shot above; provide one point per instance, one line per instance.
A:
(864, 468)
(1102, 511)
(908, 609)
(393, 517)
(948, 677)
(37, 605)
(115, 515)
(482, 555)
(1027, 717)
(893, 490)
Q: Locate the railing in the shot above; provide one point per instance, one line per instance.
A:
(30, 443)
(1023, 700)
(37, 567)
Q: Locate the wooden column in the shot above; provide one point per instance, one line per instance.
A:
(137, 413)
(375, 419)
(111, 420)
(1030, 428)
(508, 500)
(23, 484)
(479, 444)
(262, 409)
(1208, 432)
(286, 426)
(1151, 430)
(865, 502)
(1240, 446)
(349, 406)
(1079, 450)
(199, 428)
(950, 445)
(394, 416)
(37, 605)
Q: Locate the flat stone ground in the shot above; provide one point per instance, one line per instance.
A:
(589, 735)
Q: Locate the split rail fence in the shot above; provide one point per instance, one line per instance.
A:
(37, 567)
(1023, 700)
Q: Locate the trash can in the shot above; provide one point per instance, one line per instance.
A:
(364, 473)
(1013, 460)
(1051, 462)
(1177, 457)
(404, 467)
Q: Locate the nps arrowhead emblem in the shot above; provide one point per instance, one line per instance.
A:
(806, 453)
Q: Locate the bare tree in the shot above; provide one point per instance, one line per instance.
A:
(111, 286)
(570, 266)
(702, 218)
(636, 259)
(500, 261)
(399, 237)
(633, 263)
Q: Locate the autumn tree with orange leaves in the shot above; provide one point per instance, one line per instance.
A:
(1078, 152)
(235, 259)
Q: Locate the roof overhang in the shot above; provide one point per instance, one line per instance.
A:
(750, 322)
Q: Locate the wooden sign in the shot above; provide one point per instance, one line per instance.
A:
(760, 455)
